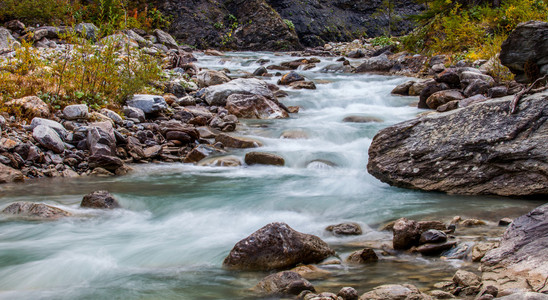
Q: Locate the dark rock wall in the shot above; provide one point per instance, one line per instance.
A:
(318, 22)
(260, 25)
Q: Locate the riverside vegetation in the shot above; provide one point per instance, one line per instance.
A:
(81, 100)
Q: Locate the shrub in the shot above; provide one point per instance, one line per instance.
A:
(289, 24)
(382, 41)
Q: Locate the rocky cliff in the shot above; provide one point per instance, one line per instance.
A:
(282, 24)
(480, 149)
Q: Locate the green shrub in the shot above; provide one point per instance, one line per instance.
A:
(382, 41)
(289, 24)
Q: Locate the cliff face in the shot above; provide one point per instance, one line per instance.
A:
(264, 24)
(318, 22)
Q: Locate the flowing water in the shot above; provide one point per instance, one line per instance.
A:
(179, 221)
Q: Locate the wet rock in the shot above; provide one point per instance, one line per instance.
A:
(434, 249)
(284, 283)
(200, 152)
(35, 210)
(348, 293)
(520, 260)
(364, 256)
(406, 234)
(8, 174)
(223, 161)
(210, 77)
(297, 85)
(260, 71)
(217, 94)
(379, 63)
(263, 158)
(99, 199)
(31, 106)
(337, 68)
(345, 229)
(109, 163)
(442, 97)
(149, 104)
(394, 292)
(311, 272)
(237, 142)
(361, 119)
(212, 52)
(403, 88)
(453, 157)
(276, 246)
(165, 39)
(290, 77)
(433, 236)
(48, 138)
(471, 223)
(526, 47)
(254, 107)
(465, 279)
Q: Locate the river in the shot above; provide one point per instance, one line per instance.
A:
(179, 221)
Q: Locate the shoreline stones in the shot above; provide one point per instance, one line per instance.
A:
(284, 283)
(276, 246)
(35, 210)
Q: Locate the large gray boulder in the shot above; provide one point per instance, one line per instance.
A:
(101, 139)
(76, 111)
(217, 94)
(99, 199)
(276, 246)
(479, 149)
(149, 104)
(526, 50)
(88, 30)
(48, 138)
(379, 63)
(520, 260)
(211, 77)
(165, 39)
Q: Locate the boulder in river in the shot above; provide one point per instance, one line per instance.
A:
(263, 158)
(254, 107)
(284, 283)
(345, 229)
(237, 142)
(290, 77)
(375, 64)
(217, 94)
(276, 246)
(210, 77)
(520, 260)
(35, 210)
(526, 51)
(479, 149)
(99, 199)
(363, 256)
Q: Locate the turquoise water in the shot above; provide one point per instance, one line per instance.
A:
(179, 221)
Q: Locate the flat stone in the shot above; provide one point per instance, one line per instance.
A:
(263, 158)
(237, 142)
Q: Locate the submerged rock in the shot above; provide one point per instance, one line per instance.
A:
(283, 284)
(35, 210)
(276, 246)
(476, 150)
(364, 256)
(99, 199)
